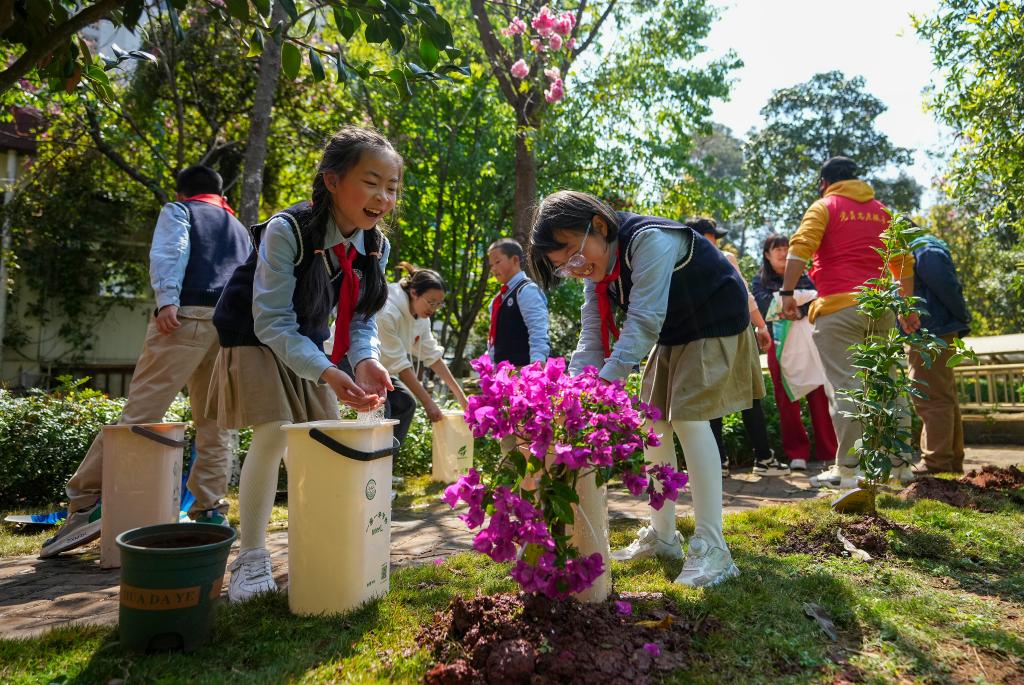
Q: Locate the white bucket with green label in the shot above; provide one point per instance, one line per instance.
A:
(339, 514)
(452, 447)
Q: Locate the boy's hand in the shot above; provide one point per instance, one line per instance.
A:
(167, 319)
(373, 378)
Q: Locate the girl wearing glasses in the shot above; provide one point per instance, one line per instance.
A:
(403, 327)
(678, 295)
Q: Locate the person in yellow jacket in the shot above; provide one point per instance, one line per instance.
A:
(840, 233)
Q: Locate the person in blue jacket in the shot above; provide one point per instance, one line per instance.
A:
(945, 315)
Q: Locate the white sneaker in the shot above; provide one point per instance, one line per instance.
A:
(797, 464)
(849, 477)
(78, 529)
(251, 575)
(829, 478)
(706, 565)
(648, 544)
(902, 475)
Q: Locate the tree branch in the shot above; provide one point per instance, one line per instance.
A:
(115, 157)
(50, 42)
(494, 50)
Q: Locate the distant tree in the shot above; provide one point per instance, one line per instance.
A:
(806, 124)
(978, 48)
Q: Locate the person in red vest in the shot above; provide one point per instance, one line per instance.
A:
(840, 233)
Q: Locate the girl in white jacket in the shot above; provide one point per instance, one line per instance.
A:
(407, 343)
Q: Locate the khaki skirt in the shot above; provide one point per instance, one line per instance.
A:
(250, 385)
(703, 379)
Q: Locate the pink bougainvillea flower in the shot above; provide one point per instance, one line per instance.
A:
(519, 69)
(555, 92)
(553, 73)
(515, 27)
(624, 608)
(544, 22)
(555, 42)
(652, 649)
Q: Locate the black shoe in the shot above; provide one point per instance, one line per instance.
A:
(767, 463)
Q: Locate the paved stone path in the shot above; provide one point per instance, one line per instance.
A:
(38, 595)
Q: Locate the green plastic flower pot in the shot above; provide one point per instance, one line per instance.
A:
(171, 578)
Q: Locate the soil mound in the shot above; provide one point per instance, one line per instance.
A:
(995, 478)
(869, 533)
(523, 638)
(952, 492)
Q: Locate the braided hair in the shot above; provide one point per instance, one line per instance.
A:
(341, 153)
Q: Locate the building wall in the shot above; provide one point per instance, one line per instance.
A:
(116, 344)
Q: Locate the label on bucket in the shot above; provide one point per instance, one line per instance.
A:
(371, 489)
(160, 599)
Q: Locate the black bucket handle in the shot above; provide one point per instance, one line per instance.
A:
(346, 451)
(157, 437)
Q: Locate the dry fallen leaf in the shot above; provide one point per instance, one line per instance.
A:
(663, 624)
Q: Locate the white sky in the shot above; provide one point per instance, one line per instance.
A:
(785, 42)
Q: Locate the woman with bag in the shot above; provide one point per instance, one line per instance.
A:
(795, 443)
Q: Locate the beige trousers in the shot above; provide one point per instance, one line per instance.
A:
(833, 335)
(168, 363)
(942, 435)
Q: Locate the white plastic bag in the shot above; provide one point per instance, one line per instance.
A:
(795, 350)
(452, 447)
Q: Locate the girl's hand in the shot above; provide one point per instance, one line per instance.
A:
(373, 378)
(433, 411)
(348, 391)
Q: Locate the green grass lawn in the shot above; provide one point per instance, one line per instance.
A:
(945, 605)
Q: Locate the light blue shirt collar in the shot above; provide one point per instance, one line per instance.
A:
(333, 236)
(514, 281)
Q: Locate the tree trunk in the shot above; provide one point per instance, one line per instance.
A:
(259, 128)
(524, 200)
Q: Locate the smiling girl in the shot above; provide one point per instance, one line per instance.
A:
(679, 296)
(272, 321)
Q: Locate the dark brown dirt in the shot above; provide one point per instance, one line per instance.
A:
(983, 490)
(869, 533)
(995, 478)
(951, 492)
(511, 639)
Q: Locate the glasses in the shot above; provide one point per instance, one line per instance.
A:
(433, 304)
(576, 261)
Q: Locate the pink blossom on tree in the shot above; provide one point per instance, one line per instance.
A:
(555, 92)
(515, 27)
(553, 74)
(565, 23)
(571, 44)
(555, 42)
(538, 45)
(519, 69)
(544, 22)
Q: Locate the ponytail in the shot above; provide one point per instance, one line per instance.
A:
(419, 281)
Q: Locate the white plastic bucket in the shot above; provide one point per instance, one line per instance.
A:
(589, 533)
(141, 481)
(452, 447)
(339, 514)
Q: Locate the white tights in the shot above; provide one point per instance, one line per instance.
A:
(705, 470)
(258, 484)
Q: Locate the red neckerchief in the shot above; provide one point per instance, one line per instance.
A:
(212, 199)
(604, 305)
(348, 295)
(495, 308)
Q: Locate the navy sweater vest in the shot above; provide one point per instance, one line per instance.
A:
(707, 298)
(233, 316)
(218, 244)
(511, 337)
